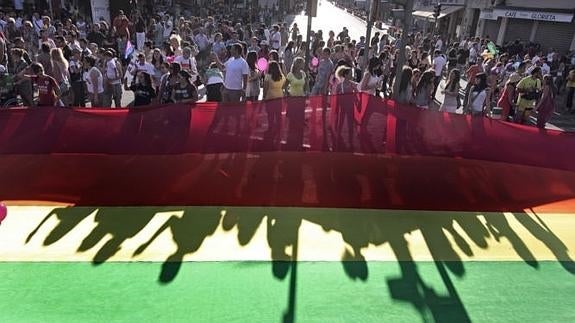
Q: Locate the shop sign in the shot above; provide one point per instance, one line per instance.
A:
(530, 15)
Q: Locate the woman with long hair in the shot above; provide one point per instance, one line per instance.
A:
(297, 87)
(168, 83)
(185, 91)
(405, 94)
(546, 105)
(254, 77)
(331, 39)
(273, 89)
(157, 62)
(424, 90)
(424, 62)
(477, 95)
(344, 107)
(507, 98)
(372, 77)
(94, 81)
(176, 44)
(415, 77)
(289, 55)
(362, 61)
(143, 90)
(61, 73)
(275, 57)
(296, 84)
(451, 92)
(300, 52)
(334, 80)
(168, 50)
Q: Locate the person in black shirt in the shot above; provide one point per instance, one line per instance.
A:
(143, 90)
(452, 57)
(96, 36)
(76, 78)
(185, 91)
(66, 49)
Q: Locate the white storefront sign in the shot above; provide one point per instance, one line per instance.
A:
(522, 14)
(488, 15)
(100, 9)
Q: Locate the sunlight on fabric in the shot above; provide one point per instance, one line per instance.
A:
(263, 234)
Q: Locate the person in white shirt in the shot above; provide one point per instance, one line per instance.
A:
(236, 71)
(545, 68)
(113, 81)
(168, 26)
(276, 38)
(188, 63)
(94, 82)
(140, 65)
(37, 23)
(439, 62)
(439, 44)
(201, 40)
(551, 56)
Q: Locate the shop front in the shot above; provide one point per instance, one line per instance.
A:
(550, 28)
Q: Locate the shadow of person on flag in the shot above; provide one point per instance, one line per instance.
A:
(121, 223)
(68, 219)
(283, 233)
(188, 232)
(535, 225)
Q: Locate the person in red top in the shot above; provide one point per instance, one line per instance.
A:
(48, 88)
(507, 99)
(121, 24)
(474, 69)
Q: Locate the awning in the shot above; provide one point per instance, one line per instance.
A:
(427, 12)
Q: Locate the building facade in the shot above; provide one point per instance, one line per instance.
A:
(549, 23)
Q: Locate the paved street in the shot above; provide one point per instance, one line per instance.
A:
(329, 17)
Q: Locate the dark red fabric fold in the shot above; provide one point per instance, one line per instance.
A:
(307, 124)
(396, 157)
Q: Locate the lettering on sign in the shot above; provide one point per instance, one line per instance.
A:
(543, 16)
(510, 14)
(530, 15)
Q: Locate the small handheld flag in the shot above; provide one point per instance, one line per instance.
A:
(129, 50)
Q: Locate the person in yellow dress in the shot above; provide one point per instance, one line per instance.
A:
(529, 89)
(296, 80)
(273, 89)
(296, 87)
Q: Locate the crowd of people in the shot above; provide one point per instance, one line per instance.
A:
(165, 59)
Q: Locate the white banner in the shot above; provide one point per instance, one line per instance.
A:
(100, 9)
(525, 14)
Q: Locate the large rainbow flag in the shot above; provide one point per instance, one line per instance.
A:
(206, 213)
